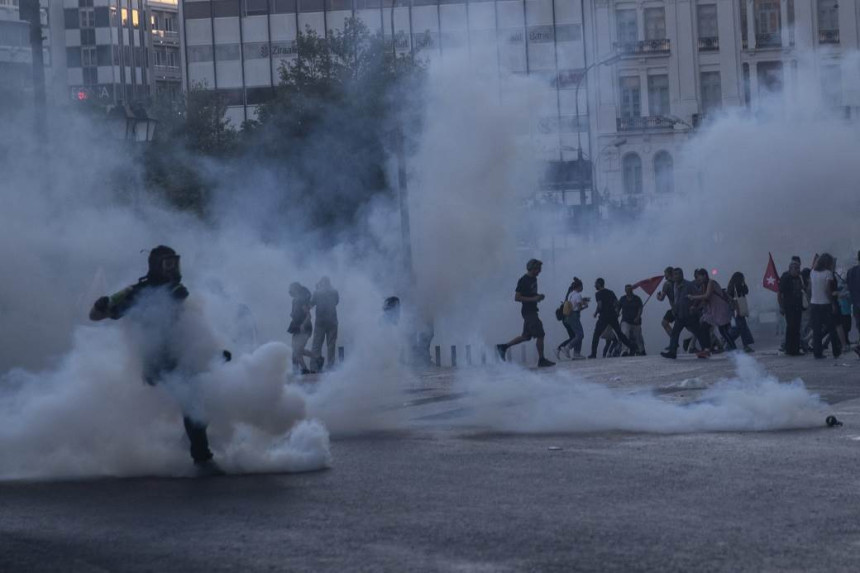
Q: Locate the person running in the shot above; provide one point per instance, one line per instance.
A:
(155, 303)
(738, 291)
(631, 317)
(572, 322)
(716, 307)
(527, 294)
(685, 317)
(607, 315)
(667, 292)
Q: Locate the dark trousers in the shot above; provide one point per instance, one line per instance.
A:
(793, 319)
(821, 317)
(692, 324)
(742, 329)
(725, 332)
(196, 432)
(612, 322)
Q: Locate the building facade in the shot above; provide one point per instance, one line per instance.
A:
(166, 56)
(238, 47)
(683, 61)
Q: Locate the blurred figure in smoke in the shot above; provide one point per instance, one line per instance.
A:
(685, 316)
(573, 304)
(667, 292)
(823, 285)
(156, 302)
(325, 299)
(607, 316)
(791, 295)
(527, 294)
(301, 326)
(716, 305)
(738, 291)
(391, 310)
(631, 317)
(852, 281)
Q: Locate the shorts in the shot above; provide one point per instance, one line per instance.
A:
(532, 327)
(669, 316)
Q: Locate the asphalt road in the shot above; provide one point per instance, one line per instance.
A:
(444, 497)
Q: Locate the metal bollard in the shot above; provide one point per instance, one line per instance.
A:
(468, 355)
(438, 357)
(453, 356)
(340, 353)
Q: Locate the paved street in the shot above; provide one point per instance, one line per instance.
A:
(440, 495)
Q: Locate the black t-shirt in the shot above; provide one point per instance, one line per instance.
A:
(791, 289)
(630, 307)
(527, 286)
(606, 300)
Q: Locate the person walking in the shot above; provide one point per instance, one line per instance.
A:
(325, 300)
(685, 316)
(737, 291)
(667, 292)
(716, 306)
(607, 315)
(631, 318)
(822, 283)
(791, 300)
(301, 326)
(527, 294)
(574, 303)
(852, 282)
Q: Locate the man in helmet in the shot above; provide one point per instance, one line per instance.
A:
(156, 302)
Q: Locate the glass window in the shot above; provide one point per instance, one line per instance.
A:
(658, 95)
(88, 18)
(712, 94)
(707, 20)
(632, 167)
(630, 97)
(655, 24)
(828, 15)
(769, 76)
(626, 21)
(664, 178)
(767, 27)
(255, 7)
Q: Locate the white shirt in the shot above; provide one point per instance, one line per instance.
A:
(820, 283)
(575, 299)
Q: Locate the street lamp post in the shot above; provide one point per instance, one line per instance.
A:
(608, 60)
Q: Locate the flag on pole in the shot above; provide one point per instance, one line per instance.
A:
(649, 285)
(771, 278)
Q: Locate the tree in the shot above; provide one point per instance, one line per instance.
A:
(333, 120)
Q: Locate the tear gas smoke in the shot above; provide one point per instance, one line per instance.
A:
(71, 395)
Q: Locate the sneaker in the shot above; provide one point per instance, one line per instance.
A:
(578, 356)
(305, 372)
(544, 363)
(502, 349)
(208, 469)
(591, 356)
(749, 349)
(703, 354)
(670, 355)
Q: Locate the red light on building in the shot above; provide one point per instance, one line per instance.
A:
(714, 272)
(83, 95)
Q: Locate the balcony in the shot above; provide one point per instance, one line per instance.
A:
(167, 72)
(644, 123)
(828, 36)
(772, 40)
(165, 37)
(657, 47)
(709, 44)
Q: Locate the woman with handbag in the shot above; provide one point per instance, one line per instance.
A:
(571, 308)
(738, 291)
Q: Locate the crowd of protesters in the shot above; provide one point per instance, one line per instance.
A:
(324, 330)
(818, 305)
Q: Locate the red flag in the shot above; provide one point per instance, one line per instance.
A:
(649, 285)
(771, 279)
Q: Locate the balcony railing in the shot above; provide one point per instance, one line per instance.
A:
(165, 36)
(635, 123)
(709, 44)
(168, 71)
(643, 47)
(828, 36)
(772, 40)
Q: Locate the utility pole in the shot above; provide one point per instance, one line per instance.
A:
(30, 11)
